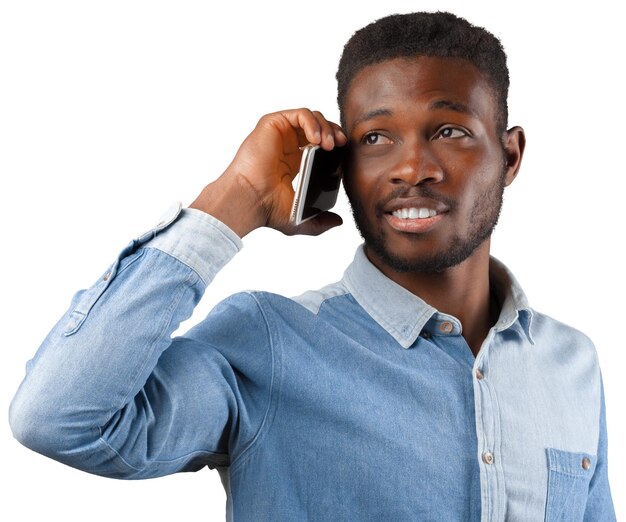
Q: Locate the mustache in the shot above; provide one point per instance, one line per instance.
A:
(416, 191)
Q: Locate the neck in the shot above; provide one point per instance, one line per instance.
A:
(462, 291)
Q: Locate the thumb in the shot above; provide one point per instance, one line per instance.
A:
(318, 225)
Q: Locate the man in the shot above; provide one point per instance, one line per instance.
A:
(421, 386)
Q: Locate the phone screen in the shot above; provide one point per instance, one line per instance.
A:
(324, 181)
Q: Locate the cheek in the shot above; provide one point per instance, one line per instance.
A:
(363, 179)
(367, 167)
(475, 170)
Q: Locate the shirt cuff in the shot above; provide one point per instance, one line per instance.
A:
(198, 240)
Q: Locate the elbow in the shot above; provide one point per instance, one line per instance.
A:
(64, 435)
(33, 424)
(22, 421)
(48, 426)
(46, 417)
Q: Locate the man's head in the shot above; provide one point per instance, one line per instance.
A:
(425, 113)
(440, 34)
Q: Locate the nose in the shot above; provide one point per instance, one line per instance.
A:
(416, 165)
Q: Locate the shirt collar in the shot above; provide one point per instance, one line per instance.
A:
(513, 301)
(403, 315)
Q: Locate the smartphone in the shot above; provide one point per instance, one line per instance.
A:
(318, 182)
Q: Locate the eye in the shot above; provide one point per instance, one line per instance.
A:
(375, 138)
(451, 132)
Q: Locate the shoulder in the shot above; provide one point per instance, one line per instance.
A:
(314, 299)
(252, 307)
(544, 325)
(254, 301)
(562, 342)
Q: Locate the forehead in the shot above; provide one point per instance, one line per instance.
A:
(407, 85)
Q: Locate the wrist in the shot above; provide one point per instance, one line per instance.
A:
(231, 201)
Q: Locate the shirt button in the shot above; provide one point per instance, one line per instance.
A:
(586, 463)
(488, 457)
(446, 327)
(479, 375)
(106, 276)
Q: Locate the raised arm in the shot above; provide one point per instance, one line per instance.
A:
(109, 391)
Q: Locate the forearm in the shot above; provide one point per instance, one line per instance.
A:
(103, 350)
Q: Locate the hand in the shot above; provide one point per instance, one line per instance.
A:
(256, 189)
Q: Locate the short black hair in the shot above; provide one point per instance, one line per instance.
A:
(439, 34)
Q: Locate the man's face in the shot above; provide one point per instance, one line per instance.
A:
(427, 168)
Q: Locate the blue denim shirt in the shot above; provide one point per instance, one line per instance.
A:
(355, 402)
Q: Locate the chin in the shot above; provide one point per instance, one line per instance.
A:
(408, 263)
(428, 259)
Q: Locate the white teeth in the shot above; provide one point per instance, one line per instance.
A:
(414, 213)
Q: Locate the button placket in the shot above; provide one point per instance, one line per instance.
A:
(488, 433)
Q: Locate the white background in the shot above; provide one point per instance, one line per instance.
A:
(110, 111)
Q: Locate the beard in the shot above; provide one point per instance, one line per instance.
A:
(483, 218)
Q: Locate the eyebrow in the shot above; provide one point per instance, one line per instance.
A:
(437, 104)
(371, 115)
(452, 106)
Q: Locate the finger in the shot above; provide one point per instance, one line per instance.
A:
(312, 127)
(327, 131)
(340, 136)
(332, 134)
(302, 139)
(303, 119)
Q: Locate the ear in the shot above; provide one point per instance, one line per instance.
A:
(514, 142)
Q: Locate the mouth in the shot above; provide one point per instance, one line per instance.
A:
(414, 215)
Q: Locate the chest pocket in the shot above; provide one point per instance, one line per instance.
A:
(568, 484)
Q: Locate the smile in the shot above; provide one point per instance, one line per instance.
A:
(413, 220)
(414, 213)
